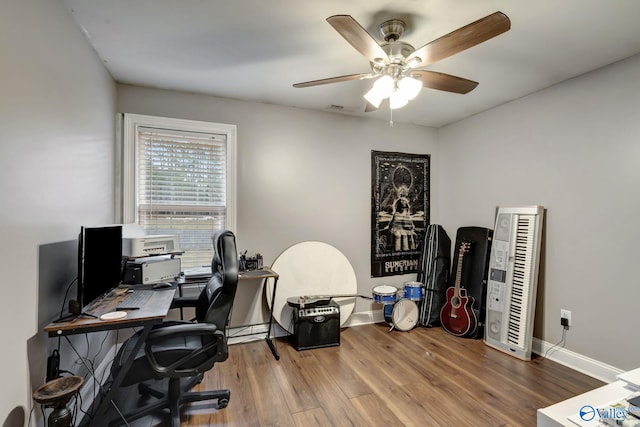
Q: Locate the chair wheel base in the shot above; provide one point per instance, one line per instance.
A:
(222, 403)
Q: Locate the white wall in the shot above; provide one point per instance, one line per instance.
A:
(302, 176)
(575, 149)
(306, 175)
(56, 167)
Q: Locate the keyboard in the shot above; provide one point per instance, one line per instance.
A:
(197, 272)
(134, 300)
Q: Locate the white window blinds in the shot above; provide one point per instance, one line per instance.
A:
(181, 188)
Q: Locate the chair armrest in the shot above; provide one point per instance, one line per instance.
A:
(157, 337)
(184, 302)
(181, 330)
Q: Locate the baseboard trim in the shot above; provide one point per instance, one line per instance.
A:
(576, 361)
(244, 334)
(364, 318)
(571, 359)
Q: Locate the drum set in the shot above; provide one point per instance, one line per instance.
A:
(400, 307)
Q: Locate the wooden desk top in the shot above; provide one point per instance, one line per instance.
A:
(263, 273)
(153, 312)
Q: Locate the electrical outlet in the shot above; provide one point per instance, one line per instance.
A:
(565, 314)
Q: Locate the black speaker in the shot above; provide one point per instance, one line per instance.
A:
(474, 270)
(316, 327)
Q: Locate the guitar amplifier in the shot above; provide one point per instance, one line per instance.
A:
(316, 327)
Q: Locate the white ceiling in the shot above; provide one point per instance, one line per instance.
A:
(254, 50)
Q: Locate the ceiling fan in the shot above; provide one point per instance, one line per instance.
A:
(395, 63)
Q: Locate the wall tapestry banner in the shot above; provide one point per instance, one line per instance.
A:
(399, 211)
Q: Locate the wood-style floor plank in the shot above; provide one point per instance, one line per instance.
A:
(374, 410)
(377, 377)
(311, 418)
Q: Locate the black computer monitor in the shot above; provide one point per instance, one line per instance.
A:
(99, 262)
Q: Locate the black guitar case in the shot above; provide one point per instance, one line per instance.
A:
(474, 270)
(433, 272)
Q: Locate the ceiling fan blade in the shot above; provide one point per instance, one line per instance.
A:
(334, 80)
(446, 82)
(369, 108)
(358, 37)
(461, 39)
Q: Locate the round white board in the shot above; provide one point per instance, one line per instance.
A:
(308, 269)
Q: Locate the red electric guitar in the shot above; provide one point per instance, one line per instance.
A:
(457, 315)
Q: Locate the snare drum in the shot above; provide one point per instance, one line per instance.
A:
(385, 294)
(405, 315)
(413, 291)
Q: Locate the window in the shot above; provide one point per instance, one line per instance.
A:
(178, 177)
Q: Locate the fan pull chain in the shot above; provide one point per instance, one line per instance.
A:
(390, 116)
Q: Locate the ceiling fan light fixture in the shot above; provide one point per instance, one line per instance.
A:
(409, 87)
(384, 86)
(413, 62)
(381, 89)
(373, 98)
(397, 100)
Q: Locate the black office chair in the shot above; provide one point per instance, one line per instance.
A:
(185, 350)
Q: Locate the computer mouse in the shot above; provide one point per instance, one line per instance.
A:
(162, 285)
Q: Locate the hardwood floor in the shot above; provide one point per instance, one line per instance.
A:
(424, 377)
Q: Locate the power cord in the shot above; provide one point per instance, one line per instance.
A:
(115, 353)
(559, 343)
(104, 387)
(64, 300)
(33, 407)
(90, 370)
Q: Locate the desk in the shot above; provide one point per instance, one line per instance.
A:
(151, 314)
(265, 274)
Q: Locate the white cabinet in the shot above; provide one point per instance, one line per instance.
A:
(600, 398)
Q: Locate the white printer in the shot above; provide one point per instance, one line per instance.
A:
(151, 258)
(150, 245)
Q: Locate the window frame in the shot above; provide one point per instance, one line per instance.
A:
(126, 203)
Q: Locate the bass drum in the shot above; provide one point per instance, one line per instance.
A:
(405, 315)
